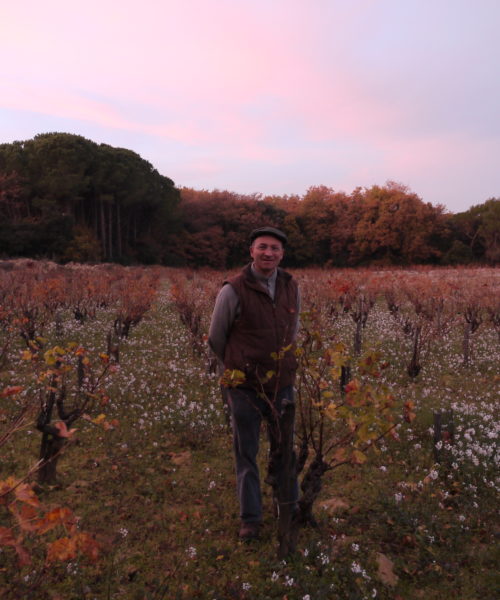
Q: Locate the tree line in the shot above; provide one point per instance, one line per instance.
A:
(67, 198)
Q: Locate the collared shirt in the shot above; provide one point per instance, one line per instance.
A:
(268, 283)
(227, 309)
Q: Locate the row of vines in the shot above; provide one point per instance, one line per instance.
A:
(58, 381)
(347, 406)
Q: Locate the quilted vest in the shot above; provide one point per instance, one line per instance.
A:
(264, 327)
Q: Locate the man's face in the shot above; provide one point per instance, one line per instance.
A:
(267, 252)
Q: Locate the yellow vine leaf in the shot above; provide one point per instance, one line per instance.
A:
(232, 378)
(331, 411)
(358, 457)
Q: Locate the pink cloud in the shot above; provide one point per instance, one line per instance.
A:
(169, 58)
(343, 89)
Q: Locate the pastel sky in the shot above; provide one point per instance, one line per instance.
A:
(267, 96)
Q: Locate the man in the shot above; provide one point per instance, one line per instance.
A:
(253, 329)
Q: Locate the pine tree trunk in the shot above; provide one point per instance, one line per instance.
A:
(103, 231)
(118, 232)
(110, 231)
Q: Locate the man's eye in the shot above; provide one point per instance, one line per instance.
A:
(264, 247)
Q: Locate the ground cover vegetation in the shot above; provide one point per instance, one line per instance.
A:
(66, 198)
(116, 478)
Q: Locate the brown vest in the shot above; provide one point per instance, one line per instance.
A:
(264, 327)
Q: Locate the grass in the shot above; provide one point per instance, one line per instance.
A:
(158, 491)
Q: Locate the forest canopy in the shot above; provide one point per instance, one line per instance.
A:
(67, 198)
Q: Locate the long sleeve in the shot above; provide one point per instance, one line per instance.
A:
(224, 313)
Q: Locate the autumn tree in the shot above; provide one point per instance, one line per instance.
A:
(217, 225)
(68, 198)
(316, 218)
(397, 227)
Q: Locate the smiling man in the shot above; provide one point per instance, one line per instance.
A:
(255, 318)
(267, 252)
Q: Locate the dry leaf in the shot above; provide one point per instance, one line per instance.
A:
(62, 430)
(386, 570)
(334, 505)
(181, 458)
(24, 493)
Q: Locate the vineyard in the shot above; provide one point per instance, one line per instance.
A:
(116, 478)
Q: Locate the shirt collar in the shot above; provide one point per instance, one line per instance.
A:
(262, 278)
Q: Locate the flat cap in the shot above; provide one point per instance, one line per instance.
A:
(272, 231)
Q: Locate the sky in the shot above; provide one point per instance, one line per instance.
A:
(267, 96)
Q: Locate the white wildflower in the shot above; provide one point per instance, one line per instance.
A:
(356, 567)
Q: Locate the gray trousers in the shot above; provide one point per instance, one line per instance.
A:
(247, 411)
